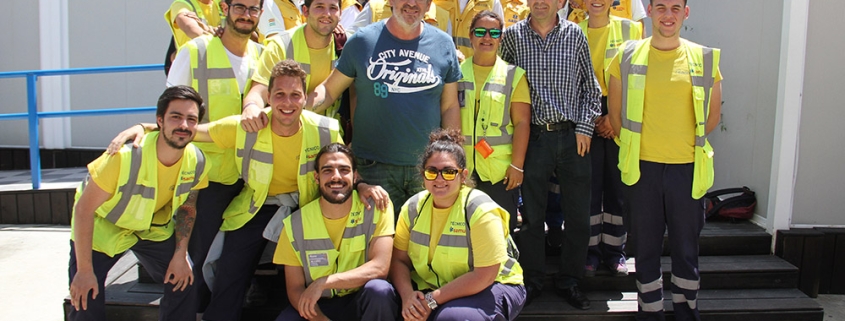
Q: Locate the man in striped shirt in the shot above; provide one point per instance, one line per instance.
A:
(565, 100)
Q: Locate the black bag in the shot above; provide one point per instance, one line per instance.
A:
(723, 204)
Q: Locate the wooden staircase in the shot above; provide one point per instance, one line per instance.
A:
(740, 281)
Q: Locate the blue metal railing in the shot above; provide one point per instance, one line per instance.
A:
(33, 116)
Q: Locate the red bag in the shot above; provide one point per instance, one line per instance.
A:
(733, 203)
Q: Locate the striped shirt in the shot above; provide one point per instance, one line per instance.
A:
(559, 71)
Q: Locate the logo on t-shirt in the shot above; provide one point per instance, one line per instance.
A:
(401, 71)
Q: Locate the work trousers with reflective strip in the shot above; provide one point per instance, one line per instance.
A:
(211, 202)
(376, 301)
(607, 217)
(155, 257)
(242, 249)
(662, 199)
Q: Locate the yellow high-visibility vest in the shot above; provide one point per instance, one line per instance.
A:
(130, 214)
(174, 29)
(620, 30)
(490, 119)
(461, 21)
(214, 79)
(254, 160)
(515, 11)
(313, 245)
(704, 66)
(435, 16)
(453, 254)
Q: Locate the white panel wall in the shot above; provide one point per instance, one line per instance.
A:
(114, 33)
(18, 51)
(748, 32)
(820, 178)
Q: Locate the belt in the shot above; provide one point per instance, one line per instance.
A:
(564, 125)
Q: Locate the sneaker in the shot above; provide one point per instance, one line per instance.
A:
(619, 269)
(590, 271)
(574, 297)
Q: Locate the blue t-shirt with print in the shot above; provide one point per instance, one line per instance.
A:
(398, 84)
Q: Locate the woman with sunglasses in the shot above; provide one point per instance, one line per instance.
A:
(453, 258)
(495, 115)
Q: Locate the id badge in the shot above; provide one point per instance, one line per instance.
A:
(484, 148)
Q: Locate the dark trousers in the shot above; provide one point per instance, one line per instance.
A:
(496, 302)
(555, 152)
(400, 182)
(211, 202)
(155, 256)
(662, 199)
(607, 230)
(242, 249)
(377, 300)
(509, 200)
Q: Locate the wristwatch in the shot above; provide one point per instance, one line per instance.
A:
(429, 298)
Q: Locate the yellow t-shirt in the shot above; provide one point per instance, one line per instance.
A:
(286, 152)
(597, 38)
(274, 52)
(285, 255)
(488, 237)
(522, 93)
(105, 171)
(667, 107)
(210, 11)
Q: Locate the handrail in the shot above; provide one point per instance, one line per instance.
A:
(33, 115)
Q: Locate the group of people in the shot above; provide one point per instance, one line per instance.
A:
(457, 110)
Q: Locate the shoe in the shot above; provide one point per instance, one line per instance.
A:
(531, 293)
(619, 269)
(589, 271)
(575, 297)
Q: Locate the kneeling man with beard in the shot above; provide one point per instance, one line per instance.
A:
(336, 253)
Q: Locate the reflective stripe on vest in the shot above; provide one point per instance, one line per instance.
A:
(620, 31)
(325, 139)
(633, 69)
(285, 39)
(132, 188)
(303, 246)
(474, 200)
(507, 91)
(202, 73)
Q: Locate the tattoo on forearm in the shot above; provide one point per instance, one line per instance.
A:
(185, 218)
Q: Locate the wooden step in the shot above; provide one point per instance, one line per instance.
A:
(714, 305)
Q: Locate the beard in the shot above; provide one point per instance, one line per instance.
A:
(174, 142)
(242, 31)
(336, 197)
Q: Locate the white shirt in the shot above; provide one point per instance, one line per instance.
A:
(180, 70)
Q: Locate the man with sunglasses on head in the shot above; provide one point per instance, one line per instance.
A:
(565, 101)
(219, 69)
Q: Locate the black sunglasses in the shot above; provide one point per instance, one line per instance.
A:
(494, 33)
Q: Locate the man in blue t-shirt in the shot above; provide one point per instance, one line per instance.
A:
(402, 69)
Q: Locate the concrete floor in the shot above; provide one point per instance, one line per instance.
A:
(33, 289)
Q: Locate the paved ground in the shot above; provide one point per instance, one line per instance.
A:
(31, 288)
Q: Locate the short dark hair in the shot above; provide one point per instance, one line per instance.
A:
(260, 3)
(335, 148)
(483, 14)
(307, 3)
(289, 68)
(179, 92)
(651, 2)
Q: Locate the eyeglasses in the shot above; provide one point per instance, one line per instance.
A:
(240, 9)
(448, 174)
(494, 33)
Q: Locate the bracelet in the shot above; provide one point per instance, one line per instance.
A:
(517, 168)
(249, 104)
(144, 128)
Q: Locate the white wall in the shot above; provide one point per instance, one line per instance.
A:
(748, 32)
(18, 51)
(114, 33)
(820, 177)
